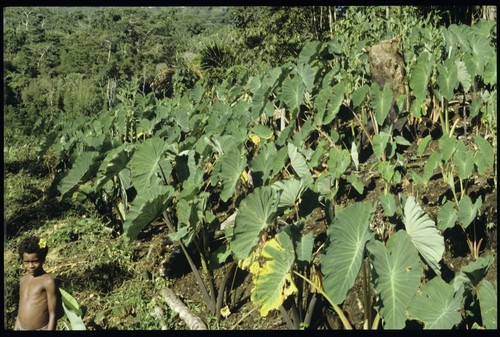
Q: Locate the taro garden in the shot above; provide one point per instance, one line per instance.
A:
(255, 167)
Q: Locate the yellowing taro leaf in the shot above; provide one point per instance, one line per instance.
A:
(244, 176)
(249, 261)
(254, 138)
(225, 312)
(274, 283)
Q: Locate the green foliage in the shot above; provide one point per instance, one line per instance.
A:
(348, 235)
(437, 305)
(423, 233)
(72, 310)
(396, 278)
(273, 284)
(487, 295)
(255, 214)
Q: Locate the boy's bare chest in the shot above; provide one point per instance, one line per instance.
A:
(32, 287)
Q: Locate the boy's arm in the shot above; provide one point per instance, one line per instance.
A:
(51, 289)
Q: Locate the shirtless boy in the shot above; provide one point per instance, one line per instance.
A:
(38, 291)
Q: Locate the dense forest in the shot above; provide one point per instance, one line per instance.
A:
(315, 167)
(73, 60)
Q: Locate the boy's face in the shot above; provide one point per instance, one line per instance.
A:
(32, 263)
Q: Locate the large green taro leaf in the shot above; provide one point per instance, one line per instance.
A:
(344, 254)
(381, 101)
(80, 167)
(424, 234)
(309, 52)
(145, 208)
(467, 210)
(149, 165)
(232, 165)
(396, 276)
(307, 74)
(298, 161)
(291, 191)
(293, 93)
(267, 163)
(437, 305)
(255, 214)
(485, 156)
(464, 161)
(328, 102)
(274, 283)
(420, 76)
(447, 216)
(488, 300)
(114, 162)
(447, 78)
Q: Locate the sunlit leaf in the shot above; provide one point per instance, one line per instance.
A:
(355, 155)
(463, 75)
(485, 156)
(328, 103)
(464, 161)
(255, 214)
(274, 283)
(447, 79)
(307, 74)
(396, 277)
(488, 301)
(380, 141)
(304, 248)
(381, 101)
(146, 207)
(114, 162)
(343, 256)
(437, 305)
(308, 52)
(356, 183)
(298, 161)
(334, 103)
(70, 302)
(149, 164)
(423, 233)
(359, 95)
(232, 165)
(467, 210)
(339, 161)
(80, 168)
(291, 191)
(262, 131)
(430, 165)
(422, 145)
(447, 216)
(420, 76)
(293, 93)
(388, 203)
(490, 70)
(447, 146)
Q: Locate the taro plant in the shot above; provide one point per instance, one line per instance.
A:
(396, 268)
(250, 161)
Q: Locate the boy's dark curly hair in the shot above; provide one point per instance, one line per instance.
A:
(31, 245)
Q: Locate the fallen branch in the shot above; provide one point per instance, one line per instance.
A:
(192, 321)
